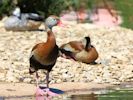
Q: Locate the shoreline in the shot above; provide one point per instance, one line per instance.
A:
(25, 89)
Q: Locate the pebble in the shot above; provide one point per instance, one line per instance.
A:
(114, 45)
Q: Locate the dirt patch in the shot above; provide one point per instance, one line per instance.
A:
(24, 89)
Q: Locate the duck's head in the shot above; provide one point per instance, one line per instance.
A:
(17, 12)
(51, 21)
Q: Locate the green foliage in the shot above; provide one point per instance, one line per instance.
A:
(5, 7)
(42, 7)
(117, 95)
(57, 6)
(47, 7)
(126, 8)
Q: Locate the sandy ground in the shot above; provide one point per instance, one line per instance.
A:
(112, 70)
(24, 89)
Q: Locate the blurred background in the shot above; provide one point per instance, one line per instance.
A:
(84, 10)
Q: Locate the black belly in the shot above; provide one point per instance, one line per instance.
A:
(37, 65)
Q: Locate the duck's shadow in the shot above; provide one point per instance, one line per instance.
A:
(54, 90)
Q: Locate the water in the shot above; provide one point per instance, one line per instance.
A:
(106, 95)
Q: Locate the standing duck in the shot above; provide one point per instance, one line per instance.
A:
(81, 51)
(44, 55)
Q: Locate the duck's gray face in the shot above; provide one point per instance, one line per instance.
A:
(17, 12)
(51, 21)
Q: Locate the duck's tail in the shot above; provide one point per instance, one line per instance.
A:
(68, 54)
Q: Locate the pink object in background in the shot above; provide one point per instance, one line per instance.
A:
(69, 16)
(104, 18)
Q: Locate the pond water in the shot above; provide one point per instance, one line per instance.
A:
(106, 95)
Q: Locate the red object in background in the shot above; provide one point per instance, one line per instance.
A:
(60, 24)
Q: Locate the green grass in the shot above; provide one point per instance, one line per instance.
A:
(117, 95)
(126, 8)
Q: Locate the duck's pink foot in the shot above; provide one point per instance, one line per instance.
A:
(40, 92)
(45, 92)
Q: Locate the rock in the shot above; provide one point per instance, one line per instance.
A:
(27, 80)
(59, 81)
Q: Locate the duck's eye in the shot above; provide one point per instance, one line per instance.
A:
(54, 19)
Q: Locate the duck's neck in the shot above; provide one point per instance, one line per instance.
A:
(88, 44)
(51, 38)
(47, 28)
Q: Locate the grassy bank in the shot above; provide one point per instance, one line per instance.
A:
(126, 7)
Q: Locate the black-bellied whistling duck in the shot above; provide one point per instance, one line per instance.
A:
(81, 51)
(44, 55)
(69, 49)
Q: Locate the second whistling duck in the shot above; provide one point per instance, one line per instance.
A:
(81, 51)
(44, 55)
